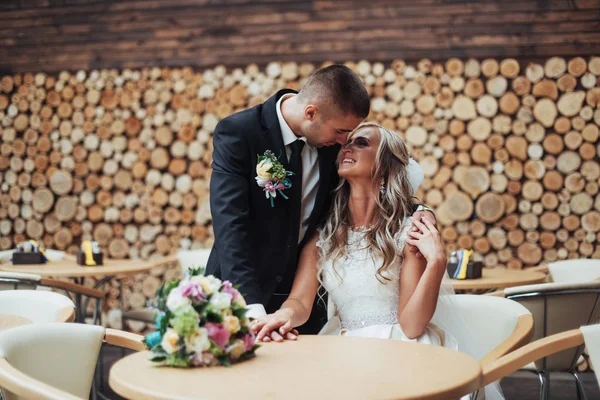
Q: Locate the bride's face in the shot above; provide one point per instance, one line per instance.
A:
(357, 157)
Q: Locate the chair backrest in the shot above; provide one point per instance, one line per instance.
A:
(62, 356)
(192, 258)
(559, 307)
(16, 281)
(572, 271)
(35, 305)
(499, 325)
(591, 335)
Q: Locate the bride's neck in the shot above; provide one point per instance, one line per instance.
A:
(362, 205)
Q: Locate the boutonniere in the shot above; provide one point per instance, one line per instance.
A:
(272, 177)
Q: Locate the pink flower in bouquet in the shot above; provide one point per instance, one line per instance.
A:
(218, 333)
(228, 288)
(192, 290)
(249, 340)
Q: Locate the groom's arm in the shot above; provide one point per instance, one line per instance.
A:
(230, 210)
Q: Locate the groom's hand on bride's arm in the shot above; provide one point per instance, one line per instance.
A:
(421, 215)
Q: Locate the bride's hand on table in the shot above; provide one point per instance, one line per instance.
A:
(275, 327)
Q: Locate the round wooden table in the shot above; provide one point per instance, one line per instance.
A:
(314, 367)
(500, 278)
(10, 321)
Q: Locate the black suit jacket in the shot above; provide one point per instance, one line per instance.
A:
(254, 244)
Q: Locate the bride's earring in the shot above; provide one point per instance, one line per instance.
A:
(382, 189)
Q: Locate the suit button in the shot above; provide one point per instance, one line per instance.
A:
(279, 279)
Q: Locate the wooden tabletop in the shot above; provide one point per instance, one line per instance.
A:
(68, 267)
(10, 321)
(314, 367)
(500, 278)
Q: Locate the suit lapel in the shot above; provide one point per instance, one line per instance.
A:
(273, 131)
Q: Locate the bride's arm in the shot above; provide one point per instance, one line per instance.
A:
(296, 310)
(420, 282)
(305, 285)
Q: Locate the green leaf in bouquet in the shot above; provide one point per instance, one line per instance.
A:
(170, 286)
(215, 349)
(224, 360)
(164, 322)
(239, 312)
(158, 354)
(195, 271)
(212, 314)
(246, 356)
(175, 360)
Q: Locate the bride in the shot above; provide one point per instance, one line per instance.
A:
(382, 270)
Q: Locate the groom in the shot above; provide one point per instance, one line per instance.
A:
(257, 242)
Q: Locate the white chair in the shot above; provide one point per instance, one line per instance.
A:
(572, 271)
(558, 307)
(55, 361)
(544, 348)
(186, 259)
(37, 306)
(500, 325)
(19, 281)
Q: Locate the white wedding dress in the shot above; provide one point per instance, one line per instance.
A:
(361, 305)
(365, 306)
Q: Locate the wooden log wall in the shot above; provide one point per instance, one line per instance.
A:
(54, 35)
(510, 154)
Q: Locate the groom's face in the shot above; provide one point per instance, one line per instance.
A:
(327, 130)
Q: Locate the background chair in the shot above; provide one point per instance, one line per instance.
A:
(558, 307)
(37, 306)
(55, 361)
(500, 325)
(572, 271)
(546, 348)
(19, 281)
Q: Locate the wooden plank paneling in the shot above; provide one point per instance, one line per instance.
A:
(54, 35)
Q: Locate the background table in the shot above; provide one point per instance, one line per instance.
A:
(500, 278)
(314, 367)
(10, 321)
(68, 268)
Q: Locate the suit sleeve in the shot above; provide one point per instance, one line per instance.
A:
(230, 209)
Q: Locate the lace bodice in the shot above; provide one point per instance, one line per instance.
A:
(361, 298)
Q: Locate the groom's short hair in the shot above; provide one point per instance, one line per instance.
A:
(337, 86)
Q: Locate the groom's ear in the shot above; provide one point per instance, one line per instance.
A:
(310, 112)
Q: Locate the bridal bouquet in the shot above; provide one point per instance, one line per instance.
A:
(201, 322)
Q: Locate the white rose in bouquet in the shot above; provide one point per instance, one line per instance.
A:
(209, 284)
(177, 300)
(198, 341)
(221, 300)
(170, 341)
